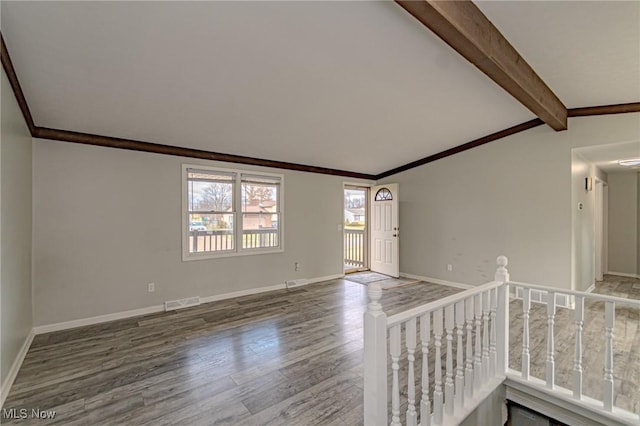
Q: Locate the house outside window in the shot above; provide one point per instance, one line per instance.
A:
(230, 212)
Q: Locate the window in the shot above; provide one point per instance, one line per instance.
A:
(230, 212)
(383, 194)
(260, 211)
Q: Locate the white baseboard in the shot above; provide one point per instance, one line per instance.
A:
(97, 319)
(436, 281)
(306, 281)
(623, 274)
(15, 367)
(160, 308)
(241, 293)
(591, 288)
(325, 278)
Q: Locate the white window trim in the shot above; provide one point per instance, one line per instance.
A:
(237, 231)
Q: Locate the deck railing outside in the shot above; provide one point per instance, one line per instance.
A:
(478, 320)
(222, 239)
(354, 249)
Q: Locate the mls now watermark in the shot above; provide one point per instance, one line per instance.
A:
(25, 413)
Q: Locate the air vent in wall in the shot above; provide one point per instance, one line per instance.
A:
(296, 283)
(172, 305)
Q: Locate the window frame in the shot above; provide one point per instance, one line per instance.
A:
(238, 250)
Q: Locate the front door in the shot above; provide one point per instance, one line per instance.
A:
(385, 230)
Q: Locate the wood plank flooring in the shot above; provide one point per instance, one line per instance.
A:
(289, 357)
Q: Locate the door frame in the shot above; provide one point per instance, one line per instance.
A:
(367, 227)
(388, 235)
(599, 227)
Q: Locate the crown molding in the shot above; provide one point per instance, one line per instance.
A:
(605, 109)
(464, 147)
(119, 143)
(129, 144)
(15, 85)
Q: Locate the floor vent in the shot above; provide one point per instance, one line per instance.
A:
(172, 305)
(296, 283)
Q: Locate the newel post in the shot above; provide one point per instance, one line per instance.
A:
(375, 359)
(502, 316)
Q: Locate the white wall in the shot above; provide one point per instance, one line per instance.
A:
(582, 230)
(511, 197)
(623, 223)
(15, 231)
(467, 209)
(583, 221)
(491, 411)
(108, 221)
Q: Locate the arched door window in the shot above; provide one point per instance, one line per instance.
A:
(383, 194)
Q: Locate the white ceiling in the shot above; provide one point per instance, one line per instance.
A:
(606, 157)
(359, 86)
(588, 52)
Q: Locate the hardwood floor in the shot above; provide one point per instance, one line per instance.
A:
(289, 357)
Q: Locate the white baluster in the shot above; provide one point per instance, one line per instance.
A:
(577, 364)
(477, 368)
(551, 315)
(375, 360)
(460, 355)
(410, 337)
(485, 336)
(609, 322)
(395, 366)
(437, 393)
(425, 403)
(502, 328)
(526, 308)
(492, 337)
(468, 376)
(448, 384)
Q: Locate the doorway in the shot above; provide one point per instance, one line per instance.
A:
(385, 231)
(600, 229)
(356, 228)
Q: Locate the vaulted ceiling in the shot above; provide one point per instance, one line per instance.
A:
(358, 86)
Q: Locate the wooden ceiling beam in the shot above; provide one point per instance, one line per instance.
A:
(469, 32)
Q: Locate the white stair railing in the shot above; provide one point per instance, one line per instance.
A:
(459, 388)
(375, 360)
(481, 362)
(425, 402)
(550, 296)
(577, 365)
(551, 315)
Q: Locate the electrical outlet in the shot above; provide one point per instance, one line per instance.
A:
(296, 266)
(449, 267)
(151, 287)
